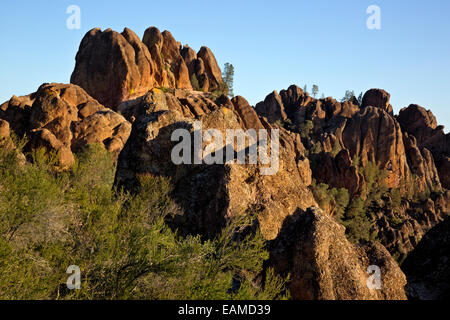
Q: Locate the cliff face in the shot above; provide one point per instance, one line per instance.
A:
(324, 265)
(366, 149)
(64, 118)
(114, 67)
(427, 267)
(209, 194)
(130, 95)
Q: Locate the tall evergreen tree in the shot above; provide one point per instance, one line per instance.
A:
(315, 90)
(228, 78)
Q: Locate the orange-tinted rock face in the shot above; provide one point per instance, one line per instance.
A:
(375, 136)
(65, 118)
(422, 124)
(377, 98)
(115, 67)
(370, 133)
(345, 142)
(324, 265)
(210, 194)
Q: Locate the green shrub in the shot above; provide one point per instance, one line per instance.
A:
(356, 221)
(194, 83)
(50, 220)
(306, 128)
(334, 199)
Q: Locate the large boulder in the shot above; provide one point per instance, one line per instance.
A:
(377, 98)
(324, 265)
(165, 51)
(212, 75)
(64, 118)
(209, 194)
(247, 114)
(272, 108)
(422, 124)
(113, 67)
(116, 67)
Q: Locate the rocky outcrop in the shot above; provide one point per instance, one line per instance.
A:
(427, 267)
(64, 118)
(401, 229)
(7, 144)
(210, 194)
(324, 265)
(298, 106)
(375, 136)
(171, 69)
(347, 143)
(272, 108)
(115, 67)
(340, 172)
(371, 134)
(208, 70)
(422, 124)
(246, 113)
(422, 165)
(377, 98)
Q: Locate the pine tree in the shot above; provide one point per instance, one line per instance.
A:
(360, 98)
(228, 78)
(315, 90)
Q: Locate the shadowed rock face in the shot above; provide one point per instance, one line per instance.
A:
(272, 108)
(427, 267)
(65, 118)
(208, 194)
(115, 67)
(375, 136)
(422, 124)
(324, 265)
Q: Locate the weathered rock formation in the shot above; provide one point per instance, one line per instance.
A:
(370, 134)
(115, 67)
(344, 142)
(158, 86)
(422, 124)
(377, 98)
(209, 194)
(64, 118)
(401, 229)
(427, 267)
(324, 265)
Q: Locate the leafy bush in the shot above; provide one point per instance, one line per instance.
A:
(356, 221)
(333, 199)
(50, 220)
(194, 82)
(306, 128)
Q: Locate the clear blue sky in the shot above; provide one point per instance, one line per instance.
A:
(272, 44)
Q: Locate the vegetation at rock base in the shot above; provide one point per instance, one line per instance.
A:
(194, 82)
(122, 244)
